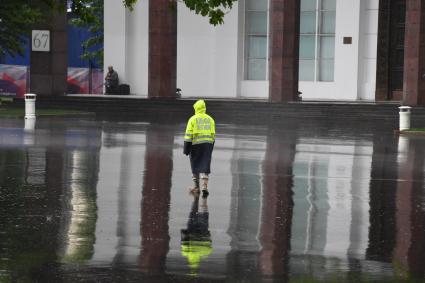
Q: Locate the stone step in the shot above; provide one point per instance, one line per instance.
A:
(250, 111)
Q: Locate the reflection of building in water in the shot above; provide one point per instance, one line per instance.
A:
(80, 182)
(31, 186)
(245, 207)
(154, 228)
(383, 188)
(261, 212)
(118, 222)
(132, 227)
(409, 250)
(312, 200)
(196, 241)
(123, 209)
(331, 195)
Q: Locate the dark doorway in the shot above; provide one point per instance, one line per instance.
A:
(390, 59)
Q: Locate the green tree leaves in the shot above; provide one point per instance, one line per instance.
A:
(17, 18)
(213, 9)
(89, 14)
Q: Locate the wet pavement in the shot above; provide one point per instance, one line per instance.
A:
(83, 200)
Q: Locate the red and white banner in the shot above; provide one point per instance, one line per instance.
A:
(79, 81)
(13, 80)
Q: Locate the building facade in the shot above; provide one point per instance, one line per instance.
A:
(327, 49)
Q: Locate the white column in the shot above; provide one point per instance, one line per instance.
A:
(115, 38)
(137, 48)
(346, 55)
(369, 11)
(360, 207)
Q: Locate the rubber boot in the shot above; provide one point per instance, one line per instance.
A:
(204, 184)
(195, 188)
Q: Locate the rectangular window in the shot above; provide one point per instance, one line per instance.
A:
(317, 40)
(256, 39)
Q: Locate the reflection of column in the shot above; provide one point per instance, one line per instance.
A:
(54, 180)
(44, 240)
(360, 180)
(29, 219)
(331, 193)
(410, 213)
(80, 224)
(382, 196)
(82, 151)
(245, 208)
(311, 207)
(317, 202)
(340, 201)
(123, 195)
(275, 231)
(156, 199)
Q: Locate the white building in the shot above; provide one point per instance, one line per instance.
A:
(337, 58)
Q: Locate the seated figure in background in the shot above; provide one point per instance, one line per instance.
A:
(111, 81)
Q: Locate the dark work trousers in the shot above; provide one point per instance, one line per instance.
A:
(200, 158)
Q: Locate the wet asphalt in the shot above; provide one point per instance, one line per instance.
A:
(88, 200)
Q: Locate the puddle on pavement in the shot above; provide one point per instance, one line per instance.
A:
(99, 201)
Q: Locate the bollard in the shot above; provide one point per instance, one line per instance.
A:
(30, 105)
(404, 118)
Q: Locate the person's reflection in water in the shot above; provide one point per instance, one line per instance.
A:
(196, 241)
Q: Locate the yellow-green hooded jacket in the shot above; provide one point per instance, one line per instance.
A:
(200, 127)
(199, 139)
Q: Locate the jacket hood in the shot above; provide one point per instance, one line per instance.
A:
(200, 106)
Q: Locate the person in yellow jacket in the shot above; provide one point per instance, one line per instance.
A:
(199, 142)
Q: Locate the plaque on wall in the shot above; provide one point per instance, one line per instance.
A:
(348, 40)
(40, 40)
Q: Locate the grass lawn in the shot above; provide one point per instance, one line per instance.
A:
(414, 132)
(20, 113)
